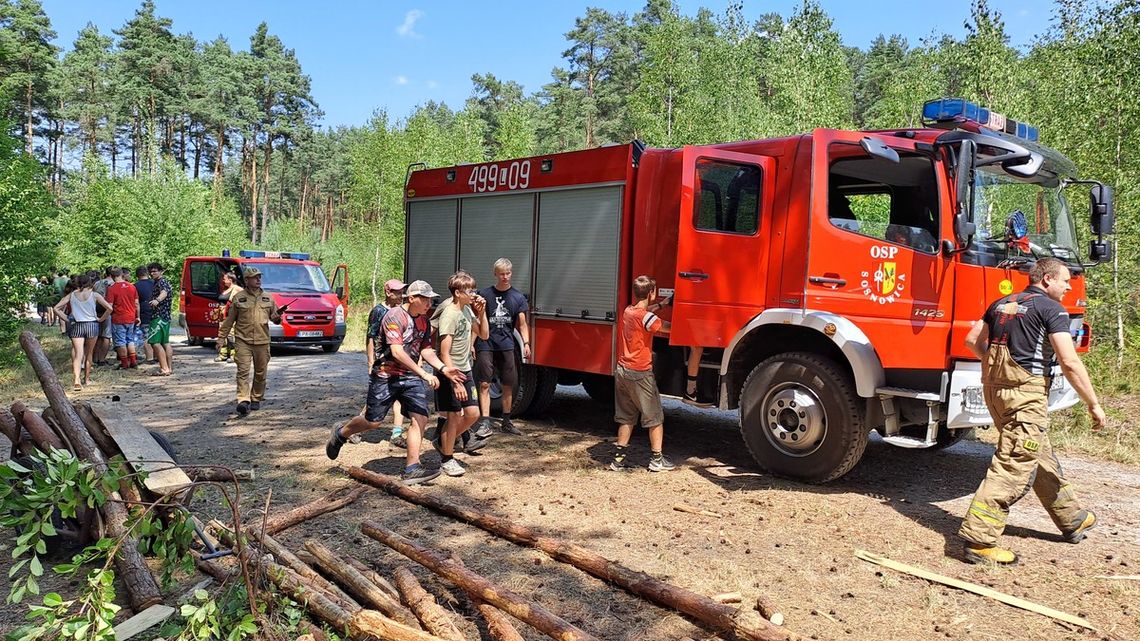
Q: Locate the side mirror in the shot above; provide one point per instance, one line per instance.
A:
(340, 292)
(1102, 214)
(1100, 251)
(879, 149)
(964, 227)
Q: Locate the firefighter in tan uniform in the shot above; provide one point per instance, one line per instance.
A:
(250, 312)
(1018, 340)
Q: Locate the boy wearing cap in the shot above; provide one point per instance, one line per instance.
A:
(250, 312)
(393, 294)
(397, 376)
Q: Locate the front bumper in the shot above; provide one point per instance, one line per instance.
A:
(277, 335)
(966, 406)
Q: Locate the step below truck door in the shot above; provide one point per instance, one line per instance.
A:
(722, 244)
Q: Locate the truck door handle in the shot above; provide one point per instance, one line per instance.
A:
(693, 275)
(827, 280)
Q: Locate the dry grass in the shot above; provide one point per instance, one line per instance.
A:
(18, 381)
(1071, 431)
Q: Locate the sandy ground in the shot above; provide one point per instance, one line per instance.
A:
(794, 543)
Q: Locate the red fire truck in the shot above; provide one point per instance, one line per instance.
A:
(316, 314)
(830, 277)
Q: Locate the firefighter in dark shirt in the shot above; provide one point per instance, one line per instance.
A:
(1018, 340)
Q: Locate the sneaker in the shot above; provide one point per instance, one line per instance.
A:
(620, 466)
(335, 442)
(474, 443)
(661, 464)
(243, 408)
(418, 474)
(482, 428)
(691, 399)
(399, 441)
(975, 553)
(255, 405)
(1087, 522)
(509, 428)
(219, 359)
(452, 468)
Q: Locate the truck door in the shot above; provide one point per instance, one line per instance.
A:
(201, 298)
(874, 253)
(722, 244)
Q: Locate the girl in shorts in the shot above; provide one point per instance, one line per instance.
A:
(84, 328)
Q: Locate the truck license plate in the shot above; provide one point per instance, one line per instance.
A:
(310, 333)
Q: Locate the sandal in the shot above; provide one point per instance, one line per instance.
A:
(77, 387)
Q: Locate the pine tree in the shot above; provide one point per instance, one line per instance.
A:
(27, 61)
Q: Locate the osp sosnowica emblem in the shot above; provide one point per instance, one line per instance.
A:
(884, 284)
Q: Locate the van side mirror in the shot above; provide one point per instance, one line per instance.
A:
(964, 227)
(1102, 215)
(1100, 251)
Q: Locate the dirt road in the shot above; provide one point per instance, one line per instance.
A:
(791, 542)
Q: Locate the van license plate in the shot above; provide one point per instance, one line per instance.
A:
(310, 333)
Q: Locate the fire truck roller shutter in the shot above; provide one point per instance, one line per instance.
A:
(431, 242)
(577, 261)
(494, 227)
(856, 347)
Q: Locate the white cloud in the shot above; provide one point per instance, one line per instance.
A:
(401, 80)
(408, 29)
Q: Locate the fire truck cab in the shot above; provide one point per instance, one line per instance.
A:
(830, 277)
(317, 309)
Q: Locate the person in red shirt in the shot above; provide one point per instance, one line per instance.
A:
(124, 319)
(635, 394)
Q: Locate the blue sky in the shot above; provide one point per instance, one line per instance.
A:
(367, 55)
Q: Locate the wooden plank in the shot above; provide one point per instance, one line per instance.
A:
(144, 620)
(140, 449)
(973, 587)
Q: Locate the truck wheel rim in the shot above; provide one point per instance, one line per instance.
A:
(794, 419)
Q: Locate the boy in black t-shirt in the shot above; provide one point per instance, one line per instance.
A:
(506, 311)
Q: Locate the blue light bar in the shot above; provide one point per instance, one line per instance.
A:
(950, 113)
(257, 253)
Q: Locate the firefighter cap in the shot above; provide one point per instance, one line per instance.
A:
(420, 288)
(250, 272)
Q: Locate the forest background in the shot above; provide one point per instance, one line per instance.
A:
(193, 146)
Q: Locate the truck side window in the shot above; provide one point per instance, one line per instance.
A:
(205, 279)
(729, 197)
(897, 203)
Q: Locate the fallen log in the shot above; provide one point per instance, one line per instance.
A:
(286, 557)
(513, 604)
(745, 623)
(329, 503)
(373, 576)
(433, 617)
(41, 434)
(141, 587)
(95, 429)
(499, 625)
(728, 597)
(357, 583)
(768, 610)
(12, 431)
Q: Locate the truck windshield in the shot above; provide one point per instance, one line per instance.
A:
(1051, 232)
(292, 277)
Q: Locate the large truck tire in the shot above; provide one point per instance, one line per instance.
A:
(600, 388)
(546, 383)
(331, 348)
(801, 418)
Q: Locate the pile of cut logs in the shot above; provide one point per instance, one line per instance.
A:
(333, 587)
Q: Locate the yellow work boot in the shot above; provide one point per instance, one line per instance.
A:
(1087, 521)
(989, 554)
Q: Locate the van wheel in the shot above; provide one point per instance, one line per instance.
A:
(331, 349)
(546, 383)
(801, 418)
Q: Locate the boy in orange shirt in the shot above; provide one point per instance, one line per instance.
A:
(635, 388)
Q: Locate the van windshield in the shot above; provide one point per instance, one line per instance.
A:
(292, 277)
